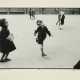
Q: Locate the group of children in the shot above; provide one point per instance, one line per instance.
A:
(6, 38)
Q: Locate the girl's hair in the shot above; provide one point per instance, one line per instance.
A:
(3, 23)
(39, 22)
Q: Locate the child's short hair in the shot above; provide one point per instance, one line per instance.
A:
(39, 22)
(3, 23)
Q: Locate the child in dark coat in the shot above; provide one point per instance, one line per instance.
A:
(62, 19)
(42, 32)
(6, 43)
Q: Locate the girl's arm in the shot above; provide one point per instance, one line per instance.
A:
(36, 31)
(48, 32)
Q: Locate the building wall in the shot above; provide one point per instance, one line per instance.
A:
(39, 10)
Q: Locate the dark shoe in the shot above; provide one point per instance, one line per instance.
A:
(43, 54)
(2, 61)
(7, 59)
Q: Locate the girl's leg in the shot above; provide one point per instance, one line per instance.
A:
(43, 54)
(57, 22)
(6, 56)
(60, 25)
(42, 48)
(2, 58)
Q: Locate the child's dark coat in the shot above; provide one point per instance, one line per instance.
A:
(62, 19)
(6, 45)
(42, 33)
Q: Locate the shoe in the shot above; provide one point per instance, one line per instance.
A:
(2, 61)
(43, 54)
(7, 59)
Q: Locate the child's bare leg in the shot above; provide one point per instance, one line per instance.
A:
(6, 56)
(60, 25)
(43, 54)
(2, 58)
(42, 48)
(57, 22)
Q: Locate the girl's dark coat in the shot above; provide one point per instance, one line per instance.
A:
(42, 33)
(6, 45)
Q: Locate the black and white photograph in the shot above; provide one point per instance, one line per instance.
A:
(39, 38)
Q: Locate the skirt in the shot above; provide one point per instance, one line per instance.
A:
(40, 39)
(6, 46)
